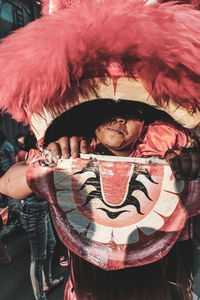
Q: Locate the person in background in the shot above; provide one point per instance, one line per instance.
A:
(7, 153)
(7, 159)
(36, 222)
(5, 258)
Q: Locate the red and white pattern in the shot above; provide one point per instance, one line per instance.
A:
(115, 214)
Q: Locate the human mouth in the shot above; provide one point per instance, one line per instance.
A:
(115, 131)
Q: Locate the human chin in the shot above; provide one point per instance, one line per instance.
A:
(115, 143)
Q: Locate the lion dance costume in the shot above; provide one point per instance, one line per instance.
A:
(79, 51)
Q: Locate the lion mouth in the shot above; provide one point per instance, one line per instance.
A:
(92, 208)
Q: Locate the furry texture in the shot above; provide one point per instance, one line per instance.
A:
(194, 3)
(58, 5)
(43, 62)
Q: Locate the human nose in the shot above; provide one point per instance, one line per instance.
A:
(120, 120)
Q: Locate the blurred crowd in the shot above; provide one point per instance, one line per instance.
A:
(31, 215)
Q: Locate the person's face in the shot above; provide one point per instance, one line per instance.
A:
(119, 133)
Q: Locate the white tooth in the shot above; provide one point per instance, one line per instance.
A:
(62, 179)
(65, 200)
(167, 202)
(151, 223)
(126, 235)
(64, 163)
(99, 233)
(169, 183)
(78, 221)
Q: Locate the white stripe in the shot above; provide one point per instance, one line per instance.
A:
(149, 2)
(145, 161)
(51, 7)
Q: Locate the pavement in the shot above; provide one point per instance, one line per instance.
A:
(15, 279)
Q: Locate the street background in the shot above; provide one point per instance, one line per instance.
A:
(15, 280)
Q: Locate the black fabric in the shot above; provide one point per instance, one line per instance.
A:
(3, 201)
(83, 119)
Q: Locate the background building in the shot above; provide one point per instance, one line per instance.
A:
(13, 15)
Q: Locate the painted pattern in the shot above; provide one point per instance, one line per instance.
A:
(114, 213)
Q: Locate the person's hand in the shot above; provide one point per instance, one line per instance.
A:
(185, 163)
(67, 147)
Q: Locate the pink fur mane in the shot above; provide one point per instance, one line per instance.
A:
(59, 4)
(43, 62)
(194, 3)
